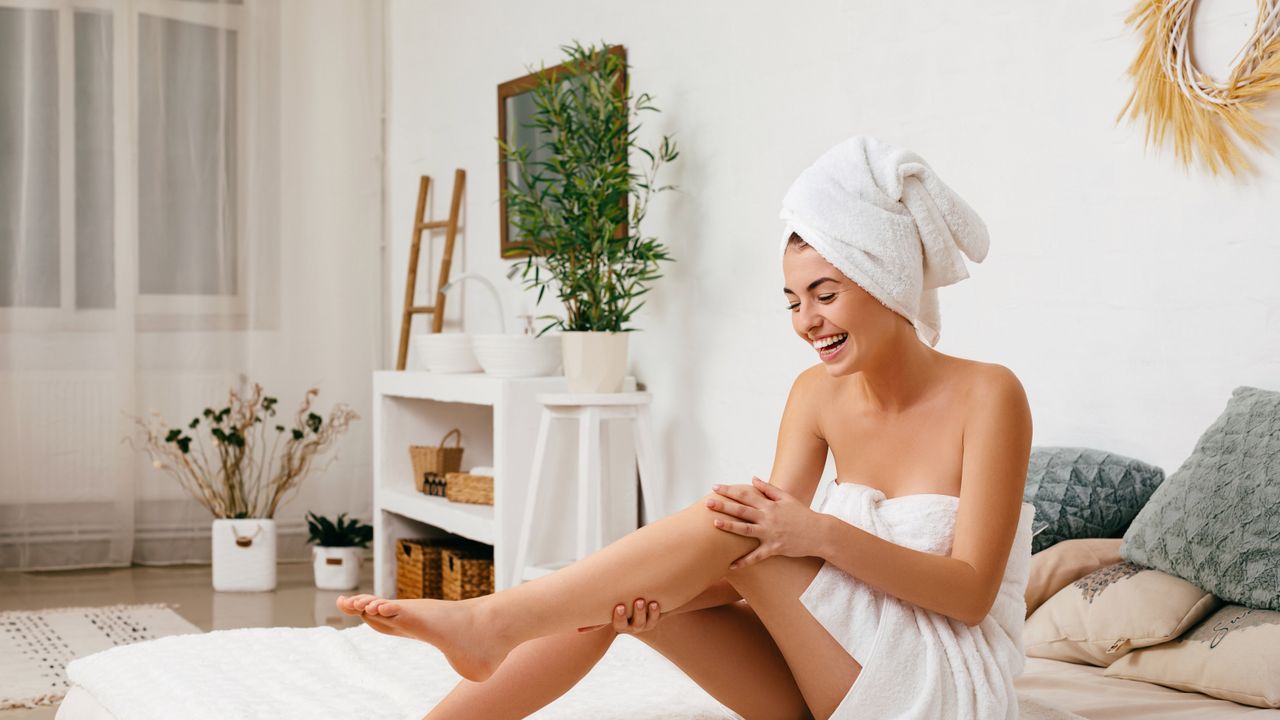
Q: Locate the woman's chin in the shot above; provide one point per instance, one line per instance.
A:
(840, 366)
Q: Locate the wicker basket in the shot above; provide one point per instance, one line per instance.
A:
(468, 488)
(466, 571)
(418, 568)
(438, 460)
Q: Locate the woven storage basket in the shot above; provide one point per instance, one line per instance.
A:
(466, 571)
(418, 568)
(467, 488)
(437, 460)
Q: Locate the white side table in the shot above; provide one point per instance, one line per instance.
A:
(589, 411)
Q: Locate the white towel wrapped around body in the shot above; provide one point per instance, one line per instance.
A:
(881, 216)
(916, 663)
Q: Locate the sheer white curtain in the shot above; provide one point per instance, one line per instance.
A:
(151, 258)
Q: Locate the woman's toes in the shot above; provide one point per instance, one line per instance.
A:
(388, 609)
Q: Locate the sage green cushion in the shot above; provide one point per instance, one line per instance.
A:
(1085, 493)
(1216, 521)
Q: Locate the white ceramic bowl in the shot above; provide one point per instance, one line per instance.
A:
(518, 355)
(446, 352)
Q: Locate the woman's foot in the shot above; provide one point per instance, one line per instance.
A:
(453, 626)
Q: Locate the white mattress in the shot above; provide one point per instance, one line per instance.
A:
(631, 681)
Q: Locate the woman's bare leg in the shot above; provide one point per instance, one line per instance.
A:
(725, 649)
(669, 561)
(822, 668)
(534, 674)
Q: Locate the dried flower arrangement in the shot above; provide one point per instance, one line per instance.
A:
(1176, 97)
(239, 477)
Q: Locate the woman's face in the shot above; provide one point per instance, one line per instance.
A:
(834, 315)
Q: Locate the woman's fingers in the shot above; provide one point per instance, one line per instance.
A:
(620, 618)
(737, 528)
(736, 509)
(640, 617)
(744, 494)
(653, 616)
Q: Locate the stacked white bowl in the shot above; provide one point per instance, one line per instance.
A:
(518, 355)
(446, 352)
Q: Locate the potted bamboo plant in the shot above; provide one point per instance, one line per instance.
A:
(239, 464)
(336, 555)
(571, 209)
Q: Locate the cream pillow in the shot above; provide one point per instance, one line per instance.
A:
(1065, 562)
(1105, 614)
(1233, 654)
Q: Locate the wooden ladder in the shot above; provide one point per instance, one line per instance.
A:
(419, 226)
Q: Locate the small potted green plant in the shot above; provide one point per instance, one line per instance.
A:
(336, 557)
(577, 206)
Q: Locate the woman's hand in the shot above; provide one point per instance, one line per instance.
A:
(782, 524)
(642, 619)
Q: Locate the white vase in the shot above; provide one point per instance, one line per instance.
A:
(337, 568)
(594, 362)
(244, 555)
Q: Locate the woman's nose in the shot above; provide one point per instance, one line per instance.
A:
(810, 318)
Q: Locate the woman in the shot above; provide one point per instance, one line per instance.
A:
(839, 620)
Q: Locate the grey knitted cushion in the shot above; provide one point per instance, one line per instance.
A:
(1085, 493)
(1216, 522)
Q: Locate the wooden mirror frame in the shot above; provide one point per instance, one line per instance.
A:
(519, 86)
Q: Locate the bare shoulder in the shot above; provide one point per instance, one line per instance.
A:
(995, 404)
(990, 386)
(804, 402)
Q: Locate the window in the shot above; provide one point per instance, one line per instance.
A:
(120, 129)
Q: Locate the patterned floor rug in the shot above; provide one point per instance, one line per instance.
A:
(36, 645)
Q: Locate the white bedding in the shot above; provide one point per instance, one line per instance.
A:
(321, 672)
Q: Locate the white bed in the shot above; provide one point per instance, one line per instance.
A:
(323, 672)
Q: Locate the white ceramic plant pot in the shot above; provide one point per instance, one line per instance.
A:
(244, 555)
(594, 362)
(337, 568)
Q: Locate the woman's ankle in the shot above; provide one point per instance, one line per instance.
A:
(490, 618)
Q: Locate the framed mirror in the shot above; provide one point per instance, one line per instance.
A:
(515, 117)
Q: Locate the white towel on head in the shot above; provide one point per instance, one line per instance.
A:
(881, 216)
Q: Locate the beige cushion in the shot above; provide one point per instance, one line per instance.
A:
(1066, 562)
(1234, 654)
(1105, 614)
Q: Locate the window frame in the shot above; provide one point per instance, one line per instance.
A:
(148, 311)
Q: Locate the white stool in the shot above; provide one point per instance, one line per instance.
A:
(589, 410)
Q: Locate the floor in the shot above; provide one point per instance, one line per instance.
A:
(296, 602)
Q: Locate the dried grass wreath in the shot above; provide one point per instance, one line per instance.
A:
(1177, 98)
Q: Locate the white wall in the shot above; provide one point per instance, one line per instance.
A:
(1129, 295)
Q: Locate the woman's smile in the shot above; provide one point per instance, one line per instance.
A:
(830, 346)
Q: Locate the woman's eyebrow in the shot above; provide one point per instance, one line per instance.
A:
(812, 285)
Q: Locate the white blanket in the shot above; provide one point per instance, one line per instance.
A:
(316, 673)
(319, 673)
(917, 663)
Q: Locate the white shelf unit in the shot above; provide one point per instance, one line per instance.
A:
(498, 418)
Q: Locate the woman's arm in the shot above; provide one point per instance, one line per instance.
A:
(963, 586)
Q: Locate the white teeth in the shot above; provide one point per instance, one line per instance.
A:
(824, 342)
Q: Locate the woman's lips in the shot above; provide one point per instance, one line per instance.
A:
(827, 354)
